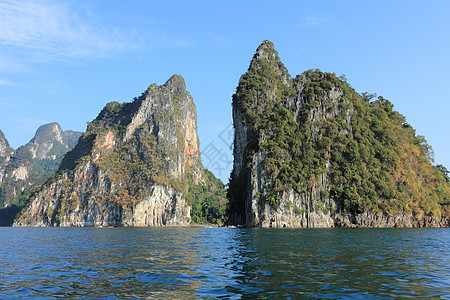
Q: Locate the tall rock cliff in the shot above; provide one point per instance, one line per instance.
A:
(132, 167)
(311, 152)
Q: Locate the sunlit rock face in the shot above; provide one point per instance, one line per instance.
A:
(129, 168)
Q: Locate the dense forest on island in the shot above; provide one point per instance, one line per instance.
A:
(315, 123)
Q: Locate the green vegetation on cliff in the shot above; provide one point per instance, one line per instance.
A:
(208, 200)
(317, 123)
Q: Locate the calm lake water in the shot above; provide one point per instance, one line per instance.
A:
(209, 263)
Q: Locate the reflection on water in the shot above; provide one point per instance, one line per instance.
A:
(191, 263)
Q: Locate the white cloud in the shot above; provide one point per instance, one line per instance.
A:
(53, 29)
(45, 30)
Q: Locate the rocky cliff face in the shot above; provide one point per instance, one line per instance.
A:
(27, 167)
(301, 155)
(130, 168)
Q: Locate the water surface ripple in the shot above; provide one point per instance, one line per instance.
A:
(229, 263)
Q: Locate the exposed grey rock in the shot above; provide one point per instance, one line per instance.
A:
(158, 128)
(170, 108)
(164, 206)
(373, 219)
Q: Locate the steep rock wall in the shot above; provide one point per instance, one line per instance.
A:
(162, 206)
(295, 146)
(293, 210)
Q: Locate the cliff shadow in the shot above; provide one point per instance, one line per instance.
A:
(8, 214)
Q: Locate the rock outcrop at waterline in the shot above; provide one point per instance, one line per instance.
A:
(130, 168)
(311, 152)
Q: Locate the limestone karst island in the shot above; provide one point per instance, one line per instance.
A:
(309, 151)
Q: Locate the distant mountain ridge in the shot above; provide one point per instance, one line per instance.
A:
(48, 140)
(27, 167)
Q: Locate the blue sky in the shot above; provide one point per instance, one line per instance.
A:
(64, 60)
